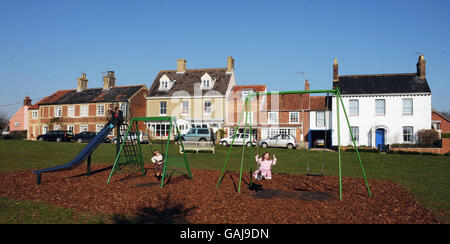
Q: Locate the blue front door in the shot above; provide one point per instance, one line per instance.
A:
(379, 138)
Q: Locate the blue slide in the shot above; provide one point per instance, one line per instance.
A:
(83, 155)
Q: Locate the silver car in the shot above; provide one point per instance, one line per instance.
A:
(287, 141)
(239, 140)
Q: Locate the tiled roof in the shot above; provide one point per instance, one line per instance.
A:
(189, 82)
(286, 102)
(236, 90)
(320, 103)
(382, 84)
(92, 95)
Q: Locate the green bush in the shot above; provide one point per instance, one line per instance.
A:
(445, 135)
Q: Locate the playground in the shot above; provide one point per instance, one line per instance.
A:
(182, 192)
(284, 199)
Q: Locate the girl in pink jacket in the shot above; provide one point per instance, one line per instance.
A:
(265, 165)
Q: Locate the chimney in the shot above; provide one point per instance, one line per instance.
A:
(306, 85)
(421, 67)
(82, 83)
(335, 71)
(109, 81)
(230, 64)
(181, 65)
(27, 101)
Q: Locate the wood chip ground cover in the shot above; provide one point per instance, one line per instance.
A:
(284, 199)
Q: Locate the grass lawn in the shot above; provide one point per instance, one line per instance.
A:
(425, 176)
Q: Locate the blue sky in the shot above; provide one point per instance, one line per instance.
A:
(45, 45)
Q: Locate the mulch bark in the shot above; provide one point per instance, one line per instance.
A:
(283, 200)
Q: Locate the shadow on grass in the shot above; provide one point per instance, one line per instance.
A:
(166, 212)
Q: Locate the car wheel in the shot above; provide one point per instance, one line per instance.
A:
(290, 146)
(248, 144)
(59, 139)
(202, 139)
(79, 140)
(264, 145)
(224, 143)
(41, 139)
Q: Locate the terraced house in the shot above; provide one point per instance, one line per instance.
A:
(85, 109)
(196, 97)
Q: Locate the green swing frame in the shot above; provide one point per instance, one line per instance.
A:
(248, 127)
(172, 124)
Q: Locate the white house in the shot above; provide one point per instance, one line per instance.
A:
(382, 109)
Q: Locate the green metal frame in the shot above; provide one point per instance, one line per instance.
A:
(247, 108)
(135, 120)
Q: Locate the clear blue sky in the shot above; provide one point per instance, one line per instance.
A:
(45, 45)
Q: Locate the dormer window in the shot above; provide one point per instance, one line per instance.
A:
(206, 82)
(165, 83)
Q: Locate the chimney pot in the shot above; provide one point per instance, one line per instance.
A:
(421, 67)
(82, 83)
(230, 64)
(109, 81)
(181, 65)
(27, 101)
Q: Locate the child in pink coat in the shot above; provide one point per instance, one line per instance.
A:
(265, 165)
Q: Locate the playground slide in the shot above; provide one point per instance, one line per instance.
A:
(84, 154)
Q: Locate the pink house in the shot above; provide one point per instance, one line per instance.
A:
(19, 121)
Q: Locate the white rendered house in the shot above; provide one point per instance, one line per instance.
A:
(382, 109)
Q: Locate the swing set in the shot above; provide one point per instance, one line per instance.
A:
(130, 152)
(248, 128)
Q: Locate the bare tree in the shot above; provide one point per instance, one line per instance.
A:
(4, 122)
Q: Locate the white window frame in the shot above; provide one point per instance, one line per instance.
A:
(296, 120)
(184, 107)
(407, 134)
(16, 124)
(57, 127)
(71, 128)
(84, 128)
(411, 107)
(34, 114)
(44, 129)
(71, 111)
(101, 110)
(355, 131)
(317, 119)
(272, 119)
(207, 110)
(353, 111)
(161, 107)
(58, 112)
(84, 110)
(99, 127)
(378, 108)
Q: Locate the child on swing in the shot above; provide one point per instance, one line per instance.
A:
(265, 165)
(158, 160)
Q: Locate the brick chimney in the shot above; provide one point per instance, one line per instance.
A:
(230, 64)
(335, 71)
(181, 65)
(82, 83)
(421, 67)
(306, 85)
(109, 81)
(27, 101)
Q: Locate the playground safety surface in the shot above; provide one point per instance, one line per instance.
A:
(284, 199)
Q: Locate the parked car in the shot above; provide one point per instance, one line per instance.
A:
(198, 134)
(86, 136)
(56, 135)
(319, 143)
(239, 140)
(143, 137)
(287, 141)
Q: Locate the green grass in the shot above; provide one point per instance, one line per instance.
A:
(425, 176)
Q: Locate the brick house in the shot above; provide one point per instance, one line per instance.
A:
(439, 122)
(85, 109)
(19, 121)
(234, 106)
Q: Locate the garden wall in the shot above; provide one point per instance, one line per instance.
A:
(445, 148)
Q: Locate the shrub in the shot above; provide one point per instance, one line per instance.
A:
(445, 135)
(427, 137)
